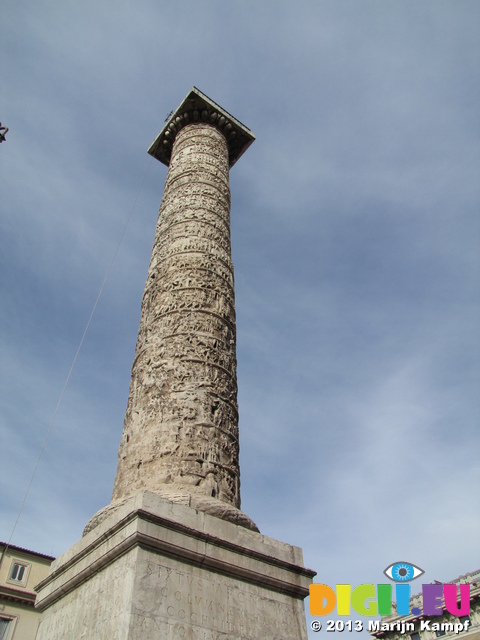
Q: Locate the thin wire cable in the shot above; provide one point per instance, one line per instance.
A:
(44, 443)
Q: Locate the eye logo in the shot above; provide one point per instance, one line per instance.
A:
(403, 572)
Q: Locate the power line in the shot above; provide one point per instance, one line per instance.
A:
(62, 393)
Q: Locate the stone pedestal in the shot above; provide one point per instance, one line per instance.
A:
(155, 569)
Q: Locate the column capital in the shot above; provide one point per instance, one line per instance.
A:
(197, 107)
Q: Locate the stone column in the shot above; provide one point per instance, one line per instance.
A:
(155, 563)
(180, 437)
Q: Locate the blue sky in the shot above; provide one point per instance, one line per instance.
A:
(355, 240)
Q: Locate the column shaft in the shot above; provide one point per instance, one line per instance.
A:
(180, 434)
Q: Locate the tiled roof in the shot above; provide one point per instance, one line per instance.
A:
(33, 553)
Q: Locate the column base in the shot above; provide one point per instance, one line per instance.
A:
(198, 501)
(156, 569)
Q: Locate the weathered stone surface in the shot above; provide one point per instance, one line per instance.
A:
(180, 437)
(156, 569)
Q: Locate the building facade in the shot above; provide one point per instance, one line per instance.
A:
(446, 626)
(20, 571)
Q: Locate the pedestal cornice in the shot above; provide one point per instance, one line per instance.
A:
(186, 535)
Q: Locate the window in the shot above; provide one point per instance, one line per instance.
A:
(18, 574)
(415, 636)
(463, 619)
(440, 632)
(5, 624)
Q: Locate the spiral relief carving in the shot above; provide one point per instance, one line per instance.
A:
(180, 437)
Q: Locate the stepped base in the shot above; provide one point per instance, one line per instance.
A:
(156, 569)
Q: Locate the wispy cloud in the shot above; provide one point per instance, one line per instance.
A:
(355, 241)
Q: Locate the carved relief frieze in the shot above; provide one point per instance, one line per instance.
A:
(181, 424)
